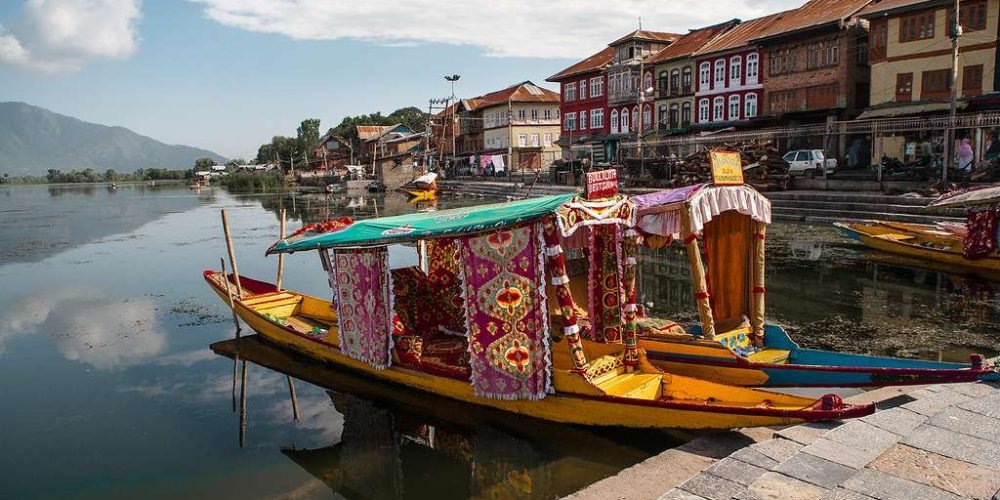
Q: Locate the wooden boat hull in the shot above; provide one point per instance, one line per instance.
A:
(803, 367)
(420, 194)
(881, 237)
(568, 407)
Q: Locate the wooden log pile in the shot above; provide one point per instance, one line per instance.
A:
(763, 167)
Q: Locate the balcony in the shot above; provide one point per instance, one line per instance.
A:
(623, 97)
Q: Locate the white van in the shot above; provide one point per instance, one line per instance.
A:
(809, 162)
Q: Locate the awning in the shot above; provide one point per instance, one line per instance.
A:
(660, 212)
(907, 109)
(418, 226)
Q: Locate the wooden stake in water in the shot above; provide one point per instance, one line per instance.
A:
(236, 357)
(243, 406)
(232, 255)
(295, 400)
(281, 256)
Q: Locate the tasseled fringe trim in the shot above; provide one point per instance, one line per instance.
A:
(560, 280)
(571, 330)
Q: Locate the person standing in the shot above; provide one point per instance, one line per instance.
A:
(965, 156)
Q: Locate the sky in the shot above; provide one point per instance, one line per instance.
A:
(227, 75)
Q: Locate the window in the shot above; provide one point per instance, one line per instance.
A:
(597, 86)
(685, 114)
(522, 114)
(569, 92)
(782, 61)
(878, 39)
(750, 106)
(822, 96)
(548, 114)
(534, 114)
(647, 116)
(662, 81)
(674, 116)
(597, 118)
(972, 80)
(735, 70)
(583, 89)
(662, 118)
(624, 123)
(704, 73)
(734, 107)
(703, 111)
(570, 121)
(522, 140)
(752, 67)
(935, 84)
(635, 118)
(614, 121)
(720, 73)
(647, 81)
(783, 101)
(904, 87)
(547, 140)
(918, 26)
(971, 14)
(822, 54)
(583, 120)
(686, 80)
(534, 140)
(675, 83)
(718, 109)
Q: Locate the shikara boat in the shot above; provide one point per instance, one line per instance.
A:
(733, 343)
(482, 271)
(422, 188)
(942, 243)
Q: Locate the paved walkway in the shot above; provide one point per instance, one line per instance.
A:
(940, 442)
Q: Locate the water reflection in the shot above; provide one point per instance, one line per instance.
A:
(831, 296)
(400, 443)
(89, 326)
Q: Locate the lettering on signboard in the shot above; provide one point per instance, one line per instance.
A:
(727, 168)
(602, 184)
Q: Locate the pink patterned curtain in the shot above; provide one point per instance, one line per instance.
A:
(364, 304)
(507, 316)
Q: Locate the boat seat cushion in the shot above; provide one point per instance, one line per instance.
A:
(440, 354)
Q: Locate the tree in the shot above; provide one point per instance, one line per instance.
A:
(236, 162)
(204, 163)
(412, 117)
(54, 175)
(308, 134)
(110, 175)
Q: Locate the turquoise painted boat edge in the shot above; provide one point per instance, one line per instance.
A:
(847, 232)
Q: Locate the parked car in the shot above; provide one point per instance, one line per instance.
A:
(809, 162)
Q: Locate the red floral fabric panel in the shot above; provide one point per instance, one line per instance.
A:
(981, 240)
(364, 305)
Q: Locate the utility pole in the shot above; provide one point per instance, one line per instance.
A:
(510, 138)
(949, 135)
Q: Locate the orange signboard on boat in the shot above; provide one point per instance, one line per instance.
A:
(727, 168)
(602, 184)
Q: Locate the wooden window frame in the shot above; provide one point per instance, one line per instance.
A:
(901, 79)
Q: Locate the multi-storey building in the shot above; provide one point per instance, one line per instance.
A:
(910, 52)
(729, 80)
(625, 90)
(911, 66)
(815, 59)
(522, 119)
(589, 106)
(673, 69)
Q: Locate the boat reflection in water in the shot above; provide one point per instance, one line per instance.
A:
(401, 443)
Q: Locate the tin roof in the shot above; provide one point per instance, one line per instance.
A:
(740, 35)
(886, 6)
(691, 42)
(655, 36)
(592, 63)
(366, 132)
(813, 14)
(519, 92)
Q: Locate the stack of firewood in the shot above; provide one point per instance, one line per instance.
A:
(763, 166)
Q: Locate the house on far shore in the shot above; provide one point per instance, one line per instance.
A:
(374, 137)
(332, 153)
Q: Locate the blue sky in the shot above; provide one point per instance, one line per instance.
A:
(228, 74)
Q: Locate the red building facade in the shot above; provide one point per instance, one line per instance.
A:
(583, 104)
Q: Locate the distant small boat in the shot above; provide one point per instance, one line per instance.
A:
(422, 188)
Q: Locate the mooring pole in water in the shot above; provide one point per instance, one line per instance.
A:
(232, 255)
(236, 357)
(281, 256)
(243, 406)
(295, 399)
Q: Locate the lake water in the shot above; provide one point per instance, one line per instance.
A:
(109, 389)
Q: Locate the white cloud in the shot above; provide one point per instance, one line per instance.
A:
(87, 325)
(503, 28)
(62, 35)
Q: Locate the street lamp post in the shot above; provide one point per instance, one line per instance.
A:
(452, 79)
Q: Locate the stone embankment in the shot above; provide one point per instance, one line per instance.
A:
(936, 442)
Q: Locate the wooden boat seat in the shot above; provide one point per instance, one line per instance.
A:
(894, 236)
(773, 356)
(608, 374)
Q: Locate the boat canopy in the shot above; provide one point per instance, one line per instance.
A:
(965, 198)
(424, 225)
(660, 213)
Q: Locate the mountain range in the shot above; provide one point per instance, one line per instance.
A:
(34, 139)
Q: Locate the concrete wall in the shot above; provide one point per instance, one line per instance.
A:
(934, 53)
